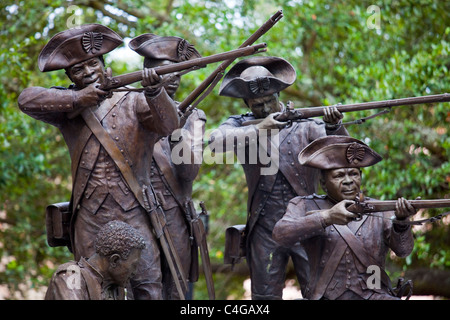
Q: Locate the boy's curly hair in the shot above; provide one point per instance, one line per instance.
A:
(118, 237)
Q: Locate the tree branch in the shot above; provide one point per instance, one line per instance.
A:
(169, 7)
(8, 221)
(143, 12)
(100, 6)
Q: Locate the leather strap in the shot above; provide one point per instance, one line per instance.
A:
(330, 266)
(108, 143)
(361, 253)
(410, 222)
(328, 270)
(85, 133)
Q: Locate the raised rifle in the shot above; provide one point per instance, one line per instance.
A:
(210, 82)
(132, 77)
(363, 206)
(298, 114)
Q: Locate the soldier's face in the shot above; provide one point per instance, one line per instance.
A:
(171, 81)
(342, 184)
(263, 106)
(87, 72)
(120, 271)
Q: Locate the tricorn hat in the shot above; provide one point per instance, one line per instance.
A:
(77, 44)
(334, 152)
(170, 48)
(257, 77)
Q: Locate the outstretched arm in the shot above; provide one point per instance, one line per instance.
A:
(160, 113)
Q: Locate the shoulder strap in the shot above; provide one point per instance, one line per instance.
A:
(85, 133)
(361, 253)
(328, 270)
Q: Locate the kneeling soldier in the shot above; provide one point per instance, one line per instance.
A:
(342, 249)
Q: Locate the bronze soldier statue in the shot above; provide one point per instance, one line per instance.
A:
(103, 275)
(91, 120)
(177, 158)
(271, 182)
(346, 252)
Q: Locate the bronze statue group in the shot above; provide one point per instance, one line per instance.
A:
(131, 223)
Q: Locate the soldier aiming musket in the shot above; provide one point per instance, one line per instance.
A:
(291, 114)
(101, 188)
(340, 248)
(132, 77)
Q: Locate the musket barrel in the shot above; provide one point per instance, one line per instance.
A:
(201, 62)
(389, 205)
(445, 97)
(263, 29)
(311, 112)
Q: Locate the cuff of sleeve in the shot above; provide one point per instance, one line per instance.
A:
(151, 92)
(399, 228)
(333, 127)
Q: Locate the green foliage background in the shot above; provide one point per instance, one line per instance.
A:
(339, 58)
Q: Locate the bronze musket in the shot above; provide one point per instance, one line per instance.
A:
(132, 77)
(367, 207)
(299, 114)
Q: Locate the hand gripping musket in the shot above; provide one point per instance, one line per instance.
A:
(210, 82)
(199, 234)
(298, 114)
(368, 207)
